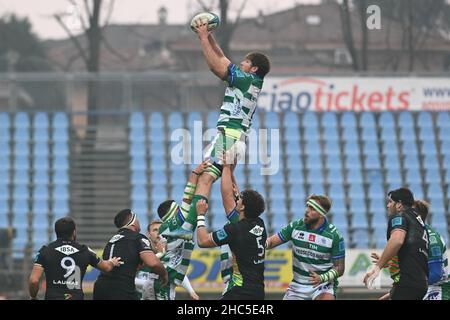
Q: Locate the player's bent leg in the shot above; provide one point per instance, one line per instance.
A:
(325, 291)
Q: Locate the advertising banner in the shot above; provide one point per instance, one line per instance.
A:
(357, 94)
(204, 270)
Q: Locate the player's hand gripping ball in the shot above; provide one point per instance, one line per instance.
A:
(212, 19)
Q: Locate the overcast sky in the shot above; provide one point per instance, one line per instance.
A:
(127, 11)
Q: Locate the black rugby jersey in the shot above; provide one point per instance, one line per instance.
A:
(413, 255)
(247, 240)
(65, 263)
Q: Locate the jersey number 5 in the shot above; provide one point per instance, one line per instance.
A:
(260, 246)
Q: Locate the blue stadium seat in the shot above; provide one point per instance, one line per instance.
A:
(352, 162)
(40, 192)
(370, 148)
(60, 120)
(157, 164)
(429, 148)
(211, 119)
(351, 149)
(156, 134)
(369, 134)
(21, 177)
(138, 163)
(372, 162)
(315, 187)
(386, 120)
(360, 239)
(407, 134)
(290, 120)
(22, 149)
(137, 135)
(336, 191)
(159, 178)
(391, 161)
(138, 177)
(295, 176)
(139, 192)
(41, 149)
(445, 147)
(255, 176)
(61, 177)
(20, 207)
(312, 148)
(376, 191)
(430, 161)
(329, 119)
(432, 176)
(60, 149)
(292, 134)
(311, 134)
(314, 176)
(424, 120)
(256, 122)
(61, 192)
(393, 175)
(41, 178)
(4, 124)
(60, 163)
(21, 120)
(272, 120)
(359, 218)
(60, 135)
(350, 134)
(443, 119)
(405, 120)
(388, 134)
(313, 161)
(158, 194)
(335, 176)
(40, 207)
(367, 120)
(157, 149)
(377, 207)
(348, 119)
(374, 176)
(356, 191)
(293, 148)
(4, 163)
(434, 189)
(279, 221)
(427, 135)
(136, 120)
(278, 207)
(447, 176)
(277, 178)
(193, 118)
(417, 189)
(330, 134)
(333, 162)
(332, 148)
(21, 163)
(175, 121)
(411, 161)
(40, 135)
(444, 134)
(297, 195)
(178, 177)
(309, 120)
(413, 176)
(156, 120)
(60, 208)
(354, 176)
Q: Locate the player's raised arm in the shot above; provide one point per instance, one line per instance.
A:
(216, 63)
(226, 186)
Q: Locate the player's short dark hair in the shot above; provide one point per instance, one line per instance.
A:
(164, 208)
(64, 228)
(261, 61)
(403, 196)
(422, 207)
(253, 203)
(121, 217)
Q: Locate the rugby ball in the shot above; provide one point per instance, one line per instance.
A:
(212, 19)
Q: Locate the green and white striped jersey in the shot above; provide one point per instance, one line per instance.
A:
(178, 231)
(312, 250)
(239, 102)
(437, 258)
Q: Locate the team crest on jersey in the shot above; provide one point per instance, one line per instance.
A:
(67, 249)
(116, 238)
(433, 240)
(312, 238)
(257, 231)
